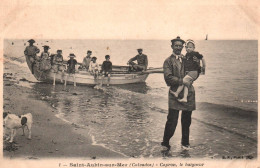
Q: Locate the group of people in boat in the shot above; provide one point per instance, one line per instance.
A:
(56, 63)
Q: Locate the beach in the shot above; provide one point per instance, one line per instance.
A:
(51, 137)
(128, 121)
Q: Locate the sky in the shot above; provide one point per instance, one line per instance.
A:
(129, 19)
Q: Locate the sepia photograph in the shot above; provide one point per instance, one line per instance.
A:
(130, 83)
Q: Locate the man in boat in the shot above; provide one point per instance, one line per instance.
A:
(142, 61)
(86, 61)
(30, 53)
(173, 68)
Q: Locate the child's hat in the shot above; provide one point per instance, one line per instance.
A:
(89, 51)
(72, 55)
(94, 58)
(190, 41)
(107, 56)
(59, 50)
(139, 49)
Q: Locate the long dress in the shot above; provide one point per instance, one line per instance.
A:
(45, 63)
(57, 63)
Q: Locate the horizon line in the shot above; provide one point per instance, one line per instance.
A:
(116, 39)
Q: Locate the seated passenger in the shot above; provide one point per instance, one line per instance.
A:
(93, 67)
(106, 69)
(142, 61)
(86, 61)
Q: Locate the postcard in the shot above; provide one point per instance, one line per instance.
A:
(129, 83)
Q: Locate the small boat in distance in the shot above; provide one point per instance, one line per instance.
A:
(206, 37)
(119, 75)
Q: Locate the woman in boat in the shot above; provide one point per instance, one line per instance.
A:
(45, 63)
(58, 65)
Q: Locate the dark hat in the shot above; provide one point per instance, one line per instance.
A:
(59, 50)
(89, 51)
(94, 58)
(139, 49)
(45, 46)
(177, 39)
(107, 56)
(72, 55)
(31, 41)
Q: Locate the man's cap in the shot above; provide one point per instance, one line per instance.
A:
(89, 51)
(45, 46)
(107, 56)
(59, 50)
(190, 41)
(139, 49)
(94, 58)
(72, 55)
(31, 41)
(177, 39)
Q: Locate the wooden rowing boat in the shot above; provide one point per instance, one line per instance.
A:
(120, 75)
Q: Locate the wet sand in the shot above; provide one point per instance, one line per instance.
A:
(51, 137)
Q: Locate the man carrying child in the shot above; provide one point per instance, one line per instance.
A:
(173, 68)
(192, 69)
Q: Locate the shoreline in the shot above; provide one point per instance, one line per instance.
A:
(47, 140)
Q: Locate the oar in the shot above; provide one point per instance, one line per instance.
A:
(148, 71)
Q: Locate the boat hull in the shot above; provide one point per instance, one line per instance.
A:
(85, 78)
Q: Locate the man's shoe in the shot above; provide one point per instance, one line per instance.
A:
(168, 147)
(186, 147)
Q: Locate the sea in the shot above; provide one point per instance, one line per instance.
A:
(130, 119)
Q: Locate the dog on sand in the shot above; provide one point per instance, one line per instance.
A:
(13, 122)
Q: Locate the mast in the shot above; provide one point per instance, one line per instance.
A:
(206, 37)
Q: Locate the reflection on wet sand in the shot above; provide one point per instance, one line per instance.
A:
(128, 121)
(136, 87)
(120, 119)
